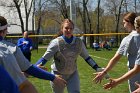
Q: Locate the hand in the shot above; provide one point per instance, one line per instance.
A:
(138, 89)
(43, 67)
(113, 83)
(100, 74)
(58, 81)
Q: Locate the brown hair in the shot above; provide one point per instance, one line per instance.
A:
(130, 17)
(60, 33)
(137, 22)
(3, 24)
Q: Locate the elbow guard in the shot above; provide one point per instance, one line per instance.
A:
(92, 63)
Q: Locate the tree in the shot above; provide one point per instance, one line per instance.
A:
(62, 5)
(18, 5)
(114, 7)
(118, 20)
(86, 20)
(98, 16)
(22, 9)
(27, 5)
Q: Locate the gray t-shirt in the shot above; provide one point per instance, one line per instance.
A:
(12, 59)
(129, 47)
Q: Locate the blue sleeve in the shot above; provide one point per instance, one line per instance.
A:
(41, 61)
(39, 73)
(92, 63)
(19, 43)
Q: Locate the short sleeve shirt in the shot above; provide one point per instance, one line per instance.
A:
(129, 47)
(12, 59)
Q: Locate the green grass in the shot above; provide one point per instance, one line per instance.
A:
(86, 73)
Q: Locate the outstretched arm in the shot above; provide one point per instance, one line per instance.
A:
(129, 74)
(42, 61)
(99, 75)
(122, 50)
(92, 63)
(84, 54)
(39, 73)
(51, 50)
(42, 74)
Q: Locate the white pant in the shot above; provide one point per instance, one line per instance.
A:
(73, 83)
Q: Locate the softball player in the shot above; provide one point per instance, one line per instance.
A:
(13, 60)
(65, 49)
(129, 48)
(134, 51)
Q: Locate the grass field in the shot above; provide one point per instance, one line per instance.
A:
(86, 73)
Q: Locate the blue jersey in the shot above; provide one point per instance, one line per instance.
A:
(25, 44)
(7, 84)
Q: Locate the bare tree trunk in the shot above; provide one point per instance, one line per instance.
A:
(33, 17)
(89, 27)
(19, 13)
(64, 9)
(118, 20)
(27, 11)
(84, 21)
(98, 21)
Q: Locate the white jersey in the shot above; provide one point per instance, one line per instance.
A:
(12, 59)
(65, 55)
(129, 47)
